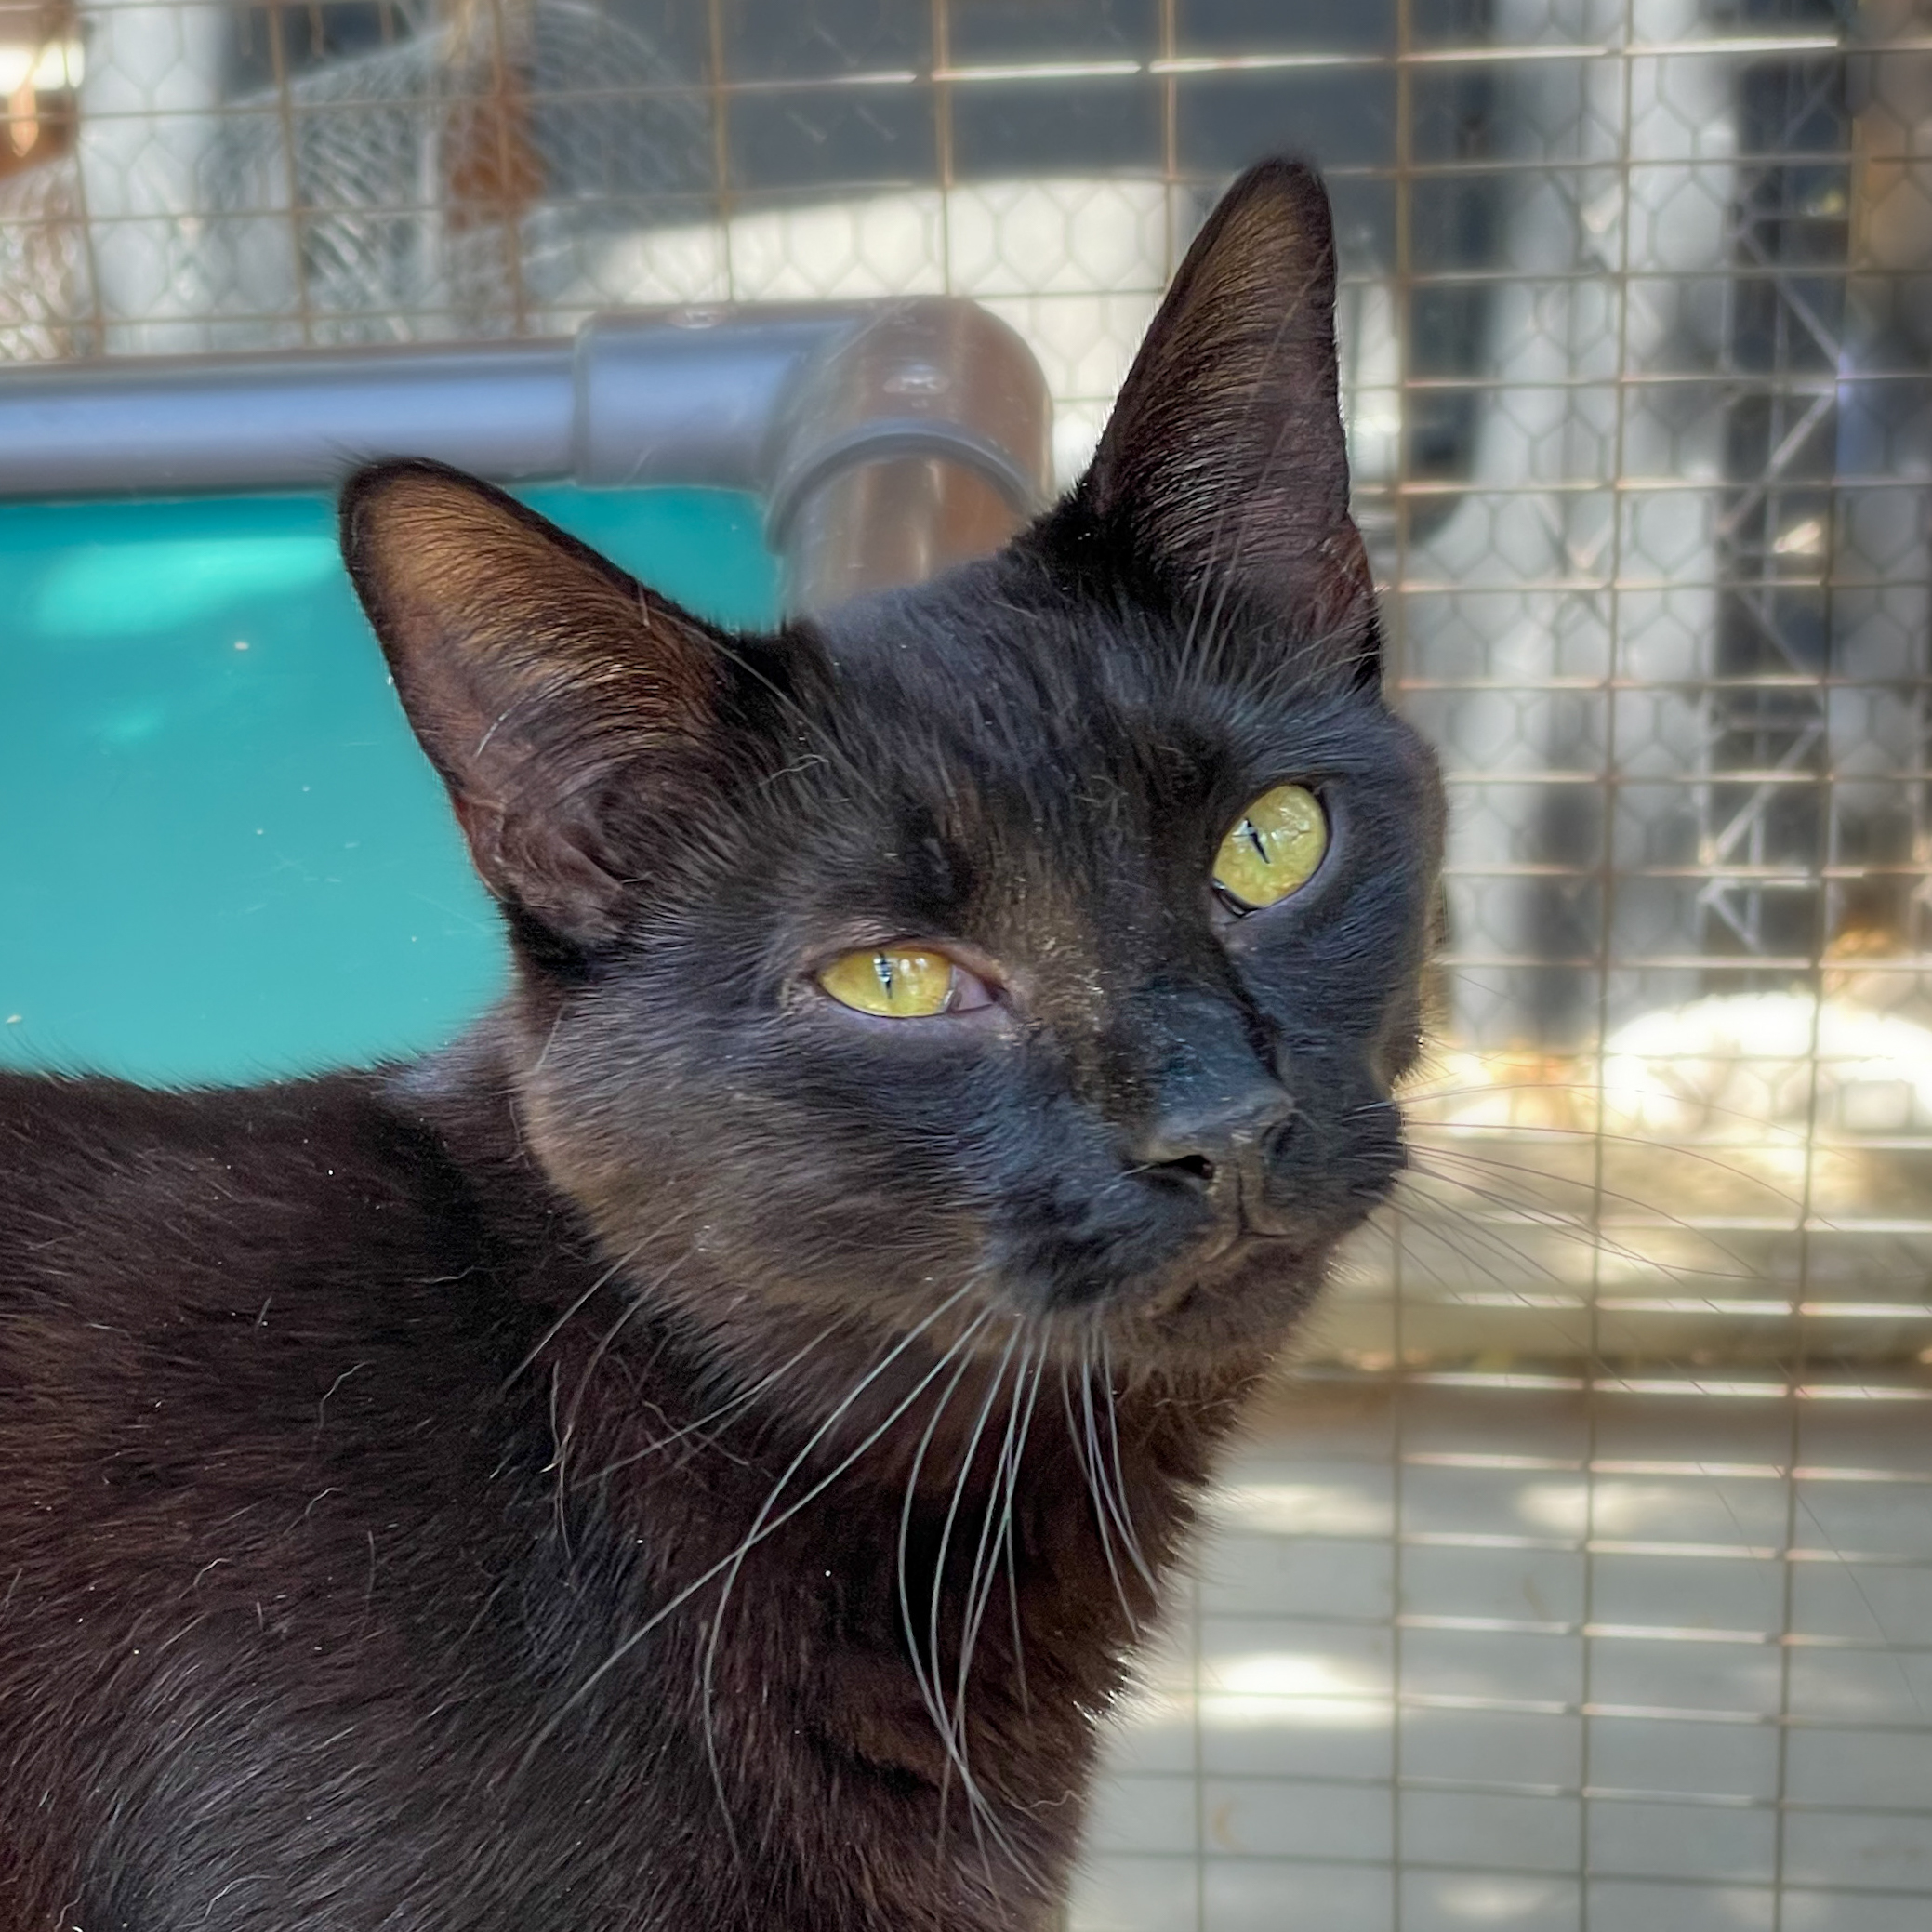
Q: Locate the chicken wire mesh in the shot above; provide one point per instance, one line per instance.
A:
(1584, 1575)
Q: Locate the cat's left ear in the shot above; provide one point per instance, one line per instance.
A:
(1224, 469)
(560, 700)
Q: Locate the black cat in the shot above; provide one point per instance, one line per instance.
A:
(699, 1455)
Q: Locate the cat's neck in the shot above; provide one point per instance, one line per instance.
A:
(940, 1582)
(667, 1376)
(926, 1557)
(905, 1469)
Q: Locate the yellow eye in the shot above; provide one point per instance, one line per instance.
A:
(896, 983)
(1274, 848)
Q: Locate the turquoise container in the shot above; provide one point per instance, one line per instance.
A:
(225, 859)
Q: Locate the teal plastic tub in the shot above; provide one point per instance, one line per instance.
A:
(225, 857)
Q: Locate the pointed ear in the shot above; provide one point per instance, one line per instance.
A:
(544, 684)
(1225, 467)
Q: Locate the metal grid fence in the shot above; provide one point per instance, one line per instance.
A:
(1585, 1577)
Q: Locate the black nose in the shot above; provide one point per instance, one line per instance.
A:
(1219, 1145)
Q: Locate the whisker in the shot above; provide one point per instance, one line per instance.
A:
(563, 1320)
(1012, 1562)
(1593, 1186)
(1130, 1543)
(1420, 1202)
(954, 1756)
(1129, 1532)
(986, 1572)
(979, 1593)
(1589, 1235)
(740, 1400)
(1595, 1361)
(1087, 1475)
(929, 1686)
(961, 1346)
(764, 1527)
(1793, 1139)
(1891, 1639)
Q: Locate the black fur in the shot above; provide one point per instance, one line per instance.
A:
(553, 1484)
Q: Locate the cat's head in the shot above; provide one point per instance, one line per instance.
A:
(1050, 933)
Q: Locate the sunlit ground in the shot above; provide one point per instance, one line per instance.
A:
(1475, 1649)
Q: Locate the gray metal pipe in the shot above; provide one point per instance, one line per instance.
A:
(798, 404)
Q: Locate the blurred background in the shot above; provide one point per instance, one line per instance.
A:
(1581, 1577)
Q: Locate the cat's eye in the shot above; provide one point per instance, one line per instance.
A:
(904, 982)
(1273, 848)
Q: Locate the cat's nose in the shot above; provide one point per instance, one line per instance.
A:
(1217, 1146)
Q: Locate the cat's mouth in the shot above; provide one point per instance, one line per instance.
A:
(1238, 1279)
(1243, 1273)
(1249, 1295)
(1255, 1223)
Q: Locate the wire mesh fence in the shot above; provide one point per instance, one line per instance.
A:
(1584, 1580)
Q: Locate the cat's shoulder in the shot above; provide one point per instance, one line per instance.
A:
(113, 1193)
(123, 1149)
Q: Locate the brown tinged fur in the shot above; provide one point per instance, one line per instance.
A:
(695, 1455)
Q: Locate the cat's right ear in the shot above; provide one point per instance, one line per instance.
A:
(546, 686)
(1223, 473)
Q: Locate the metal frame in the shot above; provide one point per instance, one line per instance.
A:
(888, 439)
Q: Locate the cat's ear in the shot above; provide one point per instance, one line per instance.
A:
(544, 683)
(1224, 468)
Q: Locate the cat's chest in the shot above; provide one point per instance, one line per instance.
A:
(504, 1738)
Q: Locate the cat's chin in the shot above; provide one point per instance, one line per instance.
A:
(1244, 1297)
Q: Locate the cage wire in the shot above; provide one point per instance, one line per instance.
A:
(1582, 1575)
